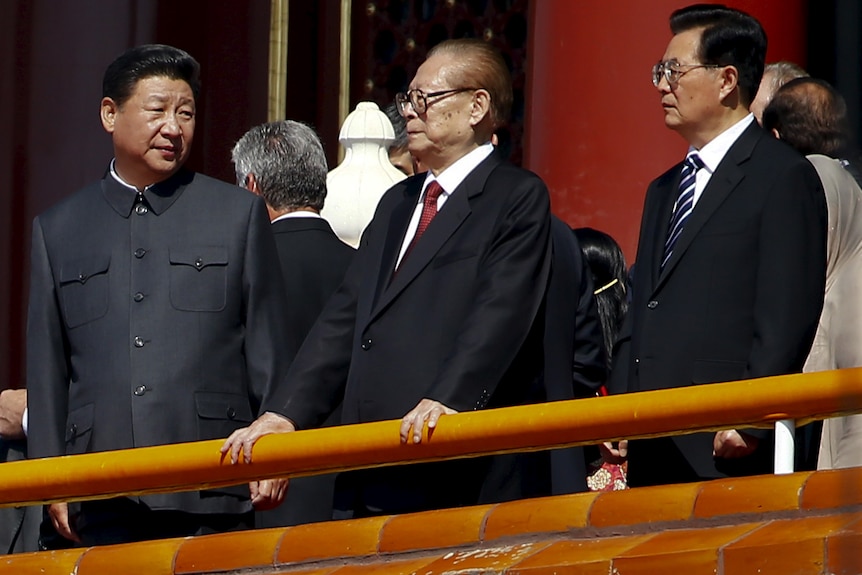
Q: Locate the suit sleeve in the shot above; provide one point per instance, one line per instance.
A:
(268, 347)
(791, 274)
(510, 288)
(48, 368)
(316, 380)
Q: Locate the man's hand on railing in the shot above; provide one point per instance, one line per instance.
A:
(615, 455)
(426, 410)
(59, 514)
(244, 439)
(12, 404)
(731, 443)
(268, 493)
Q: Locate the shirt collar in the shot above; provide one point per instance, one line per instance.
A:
(122, 196)
(450, 178)
(713, 152)
(297, 214)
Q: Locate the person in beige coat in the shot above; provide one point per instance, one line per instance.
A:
(812, 117)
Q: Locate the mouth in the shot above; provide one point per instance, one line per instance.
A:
(168, 151)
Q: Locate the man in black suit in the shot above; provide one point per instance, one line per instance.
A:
(156, 314)
(732, 254)
(432, 318)
(284, 163)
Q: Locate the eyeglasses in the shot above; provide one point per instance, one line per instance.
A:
(672, 71)
(419, 99)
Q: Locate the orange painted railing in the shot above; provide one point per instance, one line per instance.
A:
(579, 422)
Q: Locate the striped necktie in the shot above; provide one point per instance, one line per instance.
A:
(684, 203)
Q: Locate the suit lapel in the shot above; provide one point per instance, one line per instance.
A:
(724, 180)
(668, 191)
(397, 227)
(442, 227)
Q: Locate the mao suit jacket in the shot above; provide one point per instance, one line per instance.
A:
(459, 322)
(738, 299)
(154, 318)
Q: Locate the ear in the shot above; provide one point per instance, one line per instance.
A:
(251, 184)
(776, 134)
(108, 114)
(729, 81)
(481, 106)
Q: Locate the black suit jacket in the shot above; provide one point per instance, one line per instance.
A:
(739, 298)
(313, 263)
(575, 366)
(459, 323)
(153, 322)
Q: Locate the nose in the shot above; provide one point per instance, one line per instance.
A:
(171, 127)
(663, 85)
(408, 111)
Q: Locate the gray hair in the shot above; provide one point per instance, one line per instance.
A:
(780, 73)
(288, 163)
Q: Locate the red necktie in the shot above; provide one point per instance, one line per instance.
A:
(429, 210)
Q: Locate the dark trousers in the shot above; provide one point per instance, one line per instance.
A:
(123, 520)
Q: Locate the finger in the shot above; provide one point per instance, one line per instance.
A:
(623, 448)
(433, 417)
(253, 489)
(418, 425)
(248, 441)
(406, 422)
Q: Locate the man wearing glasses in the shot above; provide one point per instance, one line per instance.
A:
(437, 313)
(731, 259)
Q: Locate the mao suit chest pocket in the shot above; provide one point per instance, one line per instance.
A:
(198, 278)
(84, 289)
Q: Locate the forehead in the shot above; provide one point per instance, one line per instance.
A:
(436, 72)
(162, 86)
(684, 47)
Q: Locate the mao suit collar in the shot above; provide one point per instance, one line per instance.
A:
(158, 197)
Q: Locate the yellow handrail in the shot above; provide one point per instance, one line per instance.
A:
(533, 427)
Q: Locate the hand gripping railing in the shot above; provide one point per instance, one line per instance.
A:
(189, 466)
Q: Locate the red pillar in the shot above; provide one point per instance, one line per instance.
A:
(594, 127)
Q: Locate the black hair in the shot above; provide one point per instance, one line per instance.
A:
(811, 116)
(730, 38)
(147, 61)
(608, 267)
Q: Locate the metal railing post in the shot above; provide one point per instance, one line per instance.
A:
(785, 442)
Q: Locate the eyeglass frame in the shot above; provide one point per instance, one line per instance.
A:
(403, 98)
(672, 75)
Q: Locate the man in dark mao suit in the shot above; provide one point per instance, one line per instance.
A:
(156, 314)
(431, 321)
(735, 290)
(283, 162)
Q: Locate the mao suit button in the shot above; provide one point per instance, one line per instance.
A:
(199, 263)
(366, 344)
(82, 277)
(140, 252)
(138, 297)
(652, 304)
(140, 390)
(139, 341)
(73, 430)
(231, 413)
(141, 209)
